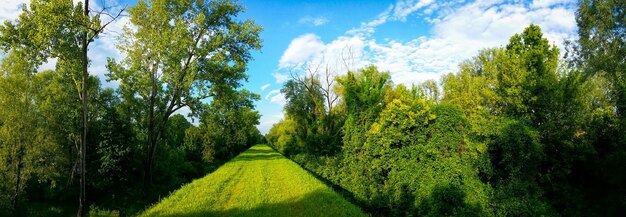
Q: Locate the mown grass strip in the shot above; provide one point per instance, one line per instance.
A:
(258, 182)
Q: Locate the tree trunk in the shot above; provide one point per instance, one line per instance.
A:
(151, 138)
(153, 141)
(83, 121)
(18, 179)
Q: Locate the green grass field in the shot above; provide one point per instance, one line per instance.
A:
(258, 182)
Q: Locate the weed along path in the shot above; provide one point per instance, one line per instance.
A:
(258, 182)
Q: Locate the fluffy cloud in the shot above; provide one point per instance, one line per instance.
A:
(11, 9)
(300, 49)
(458, 31)
(314, 21)
(279, 99)
(280, 77)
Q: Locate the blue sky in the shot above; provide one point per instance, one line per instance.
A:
(415, 40)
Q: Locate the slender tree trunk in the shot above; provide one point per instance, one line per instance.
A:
(147, 182)
(153, 141)
(151, 138)
(18, 179)
(83, 121)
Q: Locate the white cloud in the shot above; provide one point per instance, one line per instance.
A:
(315, 21)
(265, 86)
(458, 31)
(267, 121)
(405, 7)
(548, 3)
(300, 49)
(279, 99)
(395, 12)
(11, 9)
(271, 93)
(280, 78)
(275, 96)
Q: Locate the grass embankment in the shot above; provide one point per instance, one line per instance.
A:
(258, 182)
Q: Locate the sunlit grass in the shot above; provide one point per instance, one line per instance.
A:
(258, 182)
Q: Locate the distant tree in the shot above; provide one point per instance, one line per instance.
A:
(430, 89)
(282, 136)
(229, 124)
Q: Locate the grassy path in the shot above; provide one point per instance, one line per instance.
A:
(258, 182)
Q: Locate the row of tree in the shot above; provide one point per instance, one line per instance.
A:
(126, 146)
(517, 131)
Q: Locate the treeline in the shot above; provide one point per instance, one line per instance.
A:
(176, 55)
(517, 131)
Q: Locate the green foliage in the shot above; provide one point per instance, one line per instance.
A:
(599, 53)
(229, 125)
(472, 89)
(25, 151)
(363, 93)
(177, 55)
(516, 133)
(40, 115)
(282, 136)
(516, 155)
(317, 122)
(601, 45)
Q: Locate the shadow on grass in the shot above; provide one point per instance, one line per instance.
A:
(259, 150)
(258, 153)
(318, 203)
(258, 157)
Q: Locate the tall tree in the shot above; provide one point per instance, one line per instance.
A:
(600, 53)
(25, 150)
(177, 54)
(363, 93)
(601, 46)
(60, 29)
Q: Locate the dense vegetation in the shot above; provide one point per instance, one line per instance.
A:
(128, 147)
(258, 182)
(517, 131)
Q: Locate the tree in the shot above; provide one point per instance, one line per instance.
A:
(177, 54)
(601, 45)
(25, 150)
(472, 90)
(599, 53)
(113, 155)
(430, 89)
(229, 124)
(282, 136)
(58, 29)
(527, 76)
(363, 93)
(311, 102)
(305, 106)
